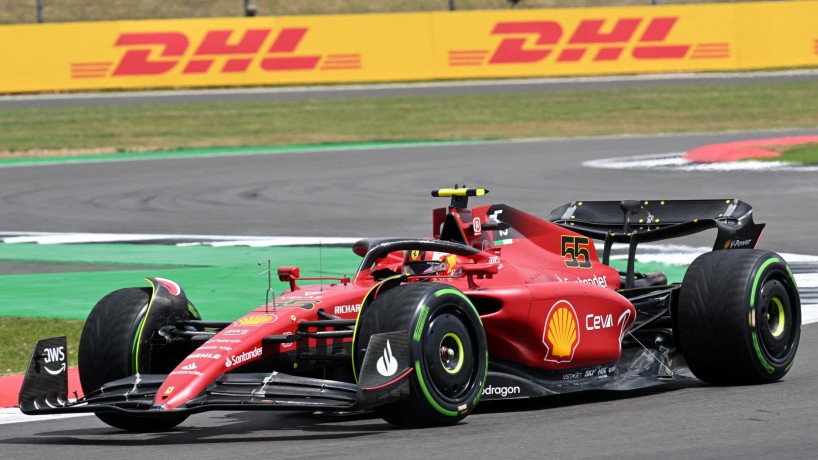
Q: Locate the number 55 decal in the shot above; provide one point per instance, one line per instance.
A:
(575, 250)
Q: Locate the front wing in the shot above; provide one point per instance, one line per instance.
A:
(44, 392)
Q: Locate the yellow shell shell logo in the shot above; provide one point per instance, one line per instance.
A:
(561, 334)
(256, 320)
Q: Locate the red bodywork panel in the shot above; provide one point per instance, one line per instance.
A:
(544, 298)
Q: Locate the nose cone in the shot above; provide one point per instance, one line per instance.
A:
(190, 378)
(234, 346)
(172, 398)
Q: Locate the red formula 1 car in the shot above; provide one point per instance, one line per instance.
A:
(499, 304)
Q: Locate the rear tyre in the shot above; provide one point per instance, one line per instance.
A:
(107, 350)
(739, 317)
(447, 349)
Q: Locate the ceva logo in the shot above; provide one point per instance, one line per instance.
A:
(224, 51)
(597, 40)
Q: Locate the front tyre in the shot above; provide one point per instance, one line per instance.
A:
(739, 317)
(107, 352)
(447, 350)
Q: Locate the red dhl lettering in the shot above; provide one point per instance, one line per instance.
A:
(216, 44)
(219, 51)
(597, 40)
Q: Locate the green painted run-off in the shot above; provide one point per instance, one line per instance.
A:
(223, 282)
(219, 152)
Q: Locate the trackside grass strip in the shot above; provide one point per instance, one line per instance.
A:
(389, 119)
(18, 336)
(804, 154)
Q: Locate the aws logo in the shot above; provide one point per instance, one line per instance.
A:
(55, 356)
(228, 51)
(594, 40)
(561, 334)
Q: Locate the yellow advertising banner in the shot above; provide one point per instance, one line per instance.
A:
(209, 52)
(586, 41)
(777, 34)
(402, 47)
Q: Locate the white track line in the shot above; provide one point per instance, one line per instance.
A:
(13, 415)
(675, 162)
(183, 240)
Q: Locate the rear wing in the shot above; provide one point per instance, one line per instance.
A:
(634, 222)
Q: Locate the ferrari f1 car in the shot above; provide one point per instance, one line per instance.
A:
(499, 304)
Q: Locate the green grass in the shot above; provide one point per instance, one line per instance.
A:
(19, 335)
(24, 11)
(489, 116)
(805, 154)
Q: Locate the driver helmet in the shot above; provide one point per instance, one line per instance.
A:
(428, 263)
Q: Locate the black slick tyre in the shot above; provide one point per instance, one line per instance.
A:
(447, 350)
(739, 317)
(107, 349)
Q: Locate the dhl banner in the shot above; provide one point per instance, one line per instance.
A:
(408, 46)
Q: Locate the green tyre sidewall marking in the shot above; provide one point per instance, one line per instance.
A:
(767, 367)
(420, 324)
(762, 360)
(763, 272)
(462, 296)
(760, 272)
(471, 305)
(429, 397)
(422, 317)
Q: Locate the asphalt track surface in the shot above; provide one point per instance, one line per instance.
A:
(386, 192)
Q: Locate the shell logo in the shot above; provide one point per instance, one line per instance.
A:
(256, 320)
(561, 334)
